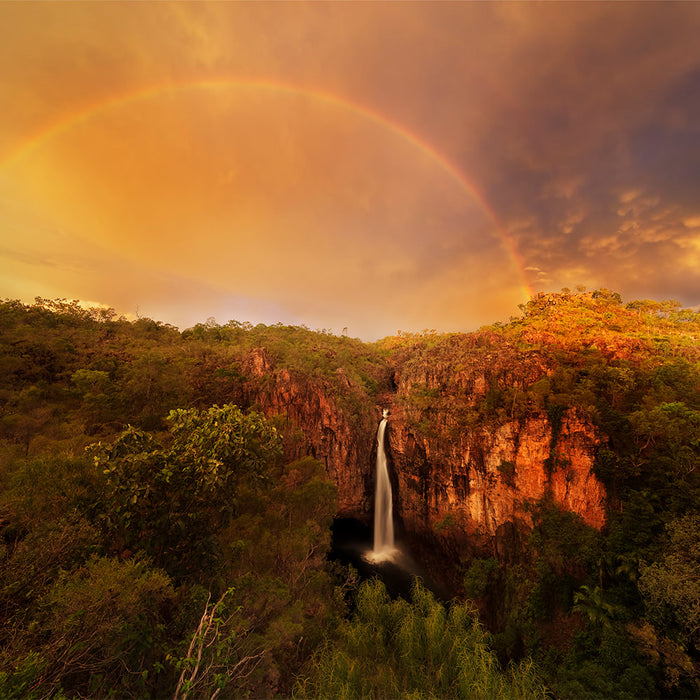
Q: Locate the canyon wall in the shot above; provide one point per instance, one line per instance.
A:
(464, 473)
(334, 423)
(479, 480)
(457, 475)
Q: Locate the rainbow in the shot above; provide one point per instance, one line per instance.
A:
(86, 112)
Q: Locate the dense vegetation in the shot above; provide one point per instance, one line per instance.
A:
(604, 614)
(160, 537)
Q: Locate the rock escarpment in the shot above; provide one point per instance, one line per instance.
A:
(464, 469)
(479, 480)
(332, 422)
(460, 471)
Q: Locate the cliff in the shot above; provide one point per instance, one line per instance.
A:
(475, 482)
(482, 424)
(333, 422)
(459, 475)
(472, 444)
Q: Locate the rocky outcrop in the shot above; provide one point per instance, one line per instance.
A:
(463, 472)
(456, 474)
(314, 421)
(477, 481)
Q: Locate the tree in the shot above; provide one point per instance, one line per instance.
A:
(98, 631)
(394, 649)
(214, 658)
(671, 587)
(97, 392)
(172, 500)
(590, 601)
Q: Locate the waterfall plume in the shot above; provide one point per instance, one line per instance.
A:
(384, 548)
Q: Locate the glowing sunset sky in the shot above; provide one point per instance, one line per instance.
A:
(375, 166)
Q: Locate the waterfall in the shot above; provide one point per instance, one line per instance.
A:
(383, 508)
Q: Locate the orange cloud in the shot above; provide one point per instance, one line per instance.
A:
(570, 127)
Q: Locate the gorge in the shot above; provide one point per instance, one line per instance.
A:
(544, 472)
(462, 479)
(483, 426)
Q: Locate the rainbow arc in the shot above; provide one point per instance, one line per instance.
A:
(87, 112)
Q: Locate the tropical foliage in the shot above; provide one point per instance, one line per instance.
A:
(418, 649)
(184, 553)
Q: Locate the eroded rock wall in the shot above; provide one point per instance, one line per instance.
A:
(454, 479)
(484, 477)
(466, 472)
(331, 422)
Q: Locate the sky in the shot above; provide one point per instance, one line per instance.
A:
(351, 166)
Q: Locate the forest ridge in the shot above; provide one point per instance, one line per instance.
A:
(163, 536)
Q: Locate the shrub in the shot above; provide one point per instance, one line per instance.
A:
(417, 649)
(99, 629)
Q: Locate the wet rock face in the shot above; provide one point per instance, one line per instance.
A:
(450, 480)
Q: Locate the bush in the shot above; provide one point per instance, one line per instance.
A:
(98, 630)
(479, 576)
(417, 649)
(171, 500)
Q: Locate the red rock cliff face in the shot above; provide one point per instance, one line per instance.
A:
(456, 479)
(463, 477)
(316, 423)
(484, 477)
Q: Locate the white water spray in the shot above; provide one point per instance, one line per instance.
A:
(383, 507)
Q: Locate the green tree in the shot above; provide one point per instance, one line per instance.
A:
(216, 657)
(416, 649)
(671, 586)
(97, 391)
(590, 602)
(99, 630)
(172, 500)
(275, 558)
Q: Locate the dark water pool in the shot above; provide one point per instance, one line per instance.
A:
(352, 543)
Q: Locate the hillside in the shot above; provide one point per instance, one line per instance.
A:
(545, 467)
